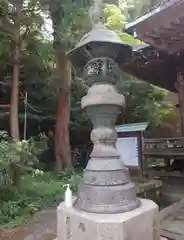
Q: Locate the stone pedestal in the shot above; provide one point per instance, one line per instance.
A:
(139, 224)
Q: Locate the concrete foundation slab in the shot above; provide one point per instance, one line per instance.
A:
(139, 224)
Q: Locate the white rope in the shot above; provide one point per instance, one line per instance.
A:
(34, 108)
(26, 102)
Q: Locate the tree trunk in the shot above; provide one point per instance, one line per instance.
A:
(62, 142)
(14, 121)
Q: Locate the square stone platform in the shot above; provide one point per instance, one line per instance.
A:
(140, 224)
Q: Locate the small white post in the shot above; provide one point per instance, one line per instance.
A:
(25, 116)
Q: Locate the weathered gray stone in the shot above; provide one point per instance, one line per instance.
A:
(106, 186)
(139, 224)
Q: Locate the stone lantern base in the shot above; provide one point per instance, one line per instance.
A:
(139, 224)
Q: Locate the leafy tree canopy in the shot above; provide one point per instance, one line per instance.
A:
(38, 70)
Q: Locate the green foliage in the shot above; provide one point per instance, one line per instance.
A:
(115, 20)
(24, 189)
(38, 145)
(144, 102)
(138, 8)
(37, 191)
(70, 20)
(38, 71)
(17, 158)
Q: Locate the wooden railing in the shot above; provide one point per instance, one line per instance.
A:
(164, 147)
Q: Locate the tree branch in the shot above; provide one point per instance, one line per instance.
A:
(5, 83)
(4, 106)
(24, 34)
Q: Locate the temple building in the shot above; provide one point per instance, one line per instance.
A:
(160, 61)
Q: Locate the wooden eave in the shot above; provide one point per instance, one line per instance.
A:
(157, 68)
(162, 28)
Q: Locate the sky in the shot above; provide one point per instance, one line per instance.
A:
(47, 29)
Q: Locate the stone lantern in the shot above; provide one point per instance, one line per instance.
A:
(106, 186)
(106, 206)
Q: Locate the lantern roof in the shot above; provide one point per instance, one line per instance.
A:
(163, 27)
(100, 42)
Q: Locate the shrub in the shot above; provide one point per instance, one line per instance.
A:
(17, 158)
(38, 190)
(24, 188)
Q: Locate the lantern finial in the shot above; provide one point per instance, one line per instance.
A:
(96, 12)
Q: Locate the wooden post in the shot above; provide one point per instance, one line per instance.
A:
(180, 86)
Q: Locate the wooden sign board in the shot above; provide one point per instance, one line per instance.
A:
(128, 149)
(129, 145)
